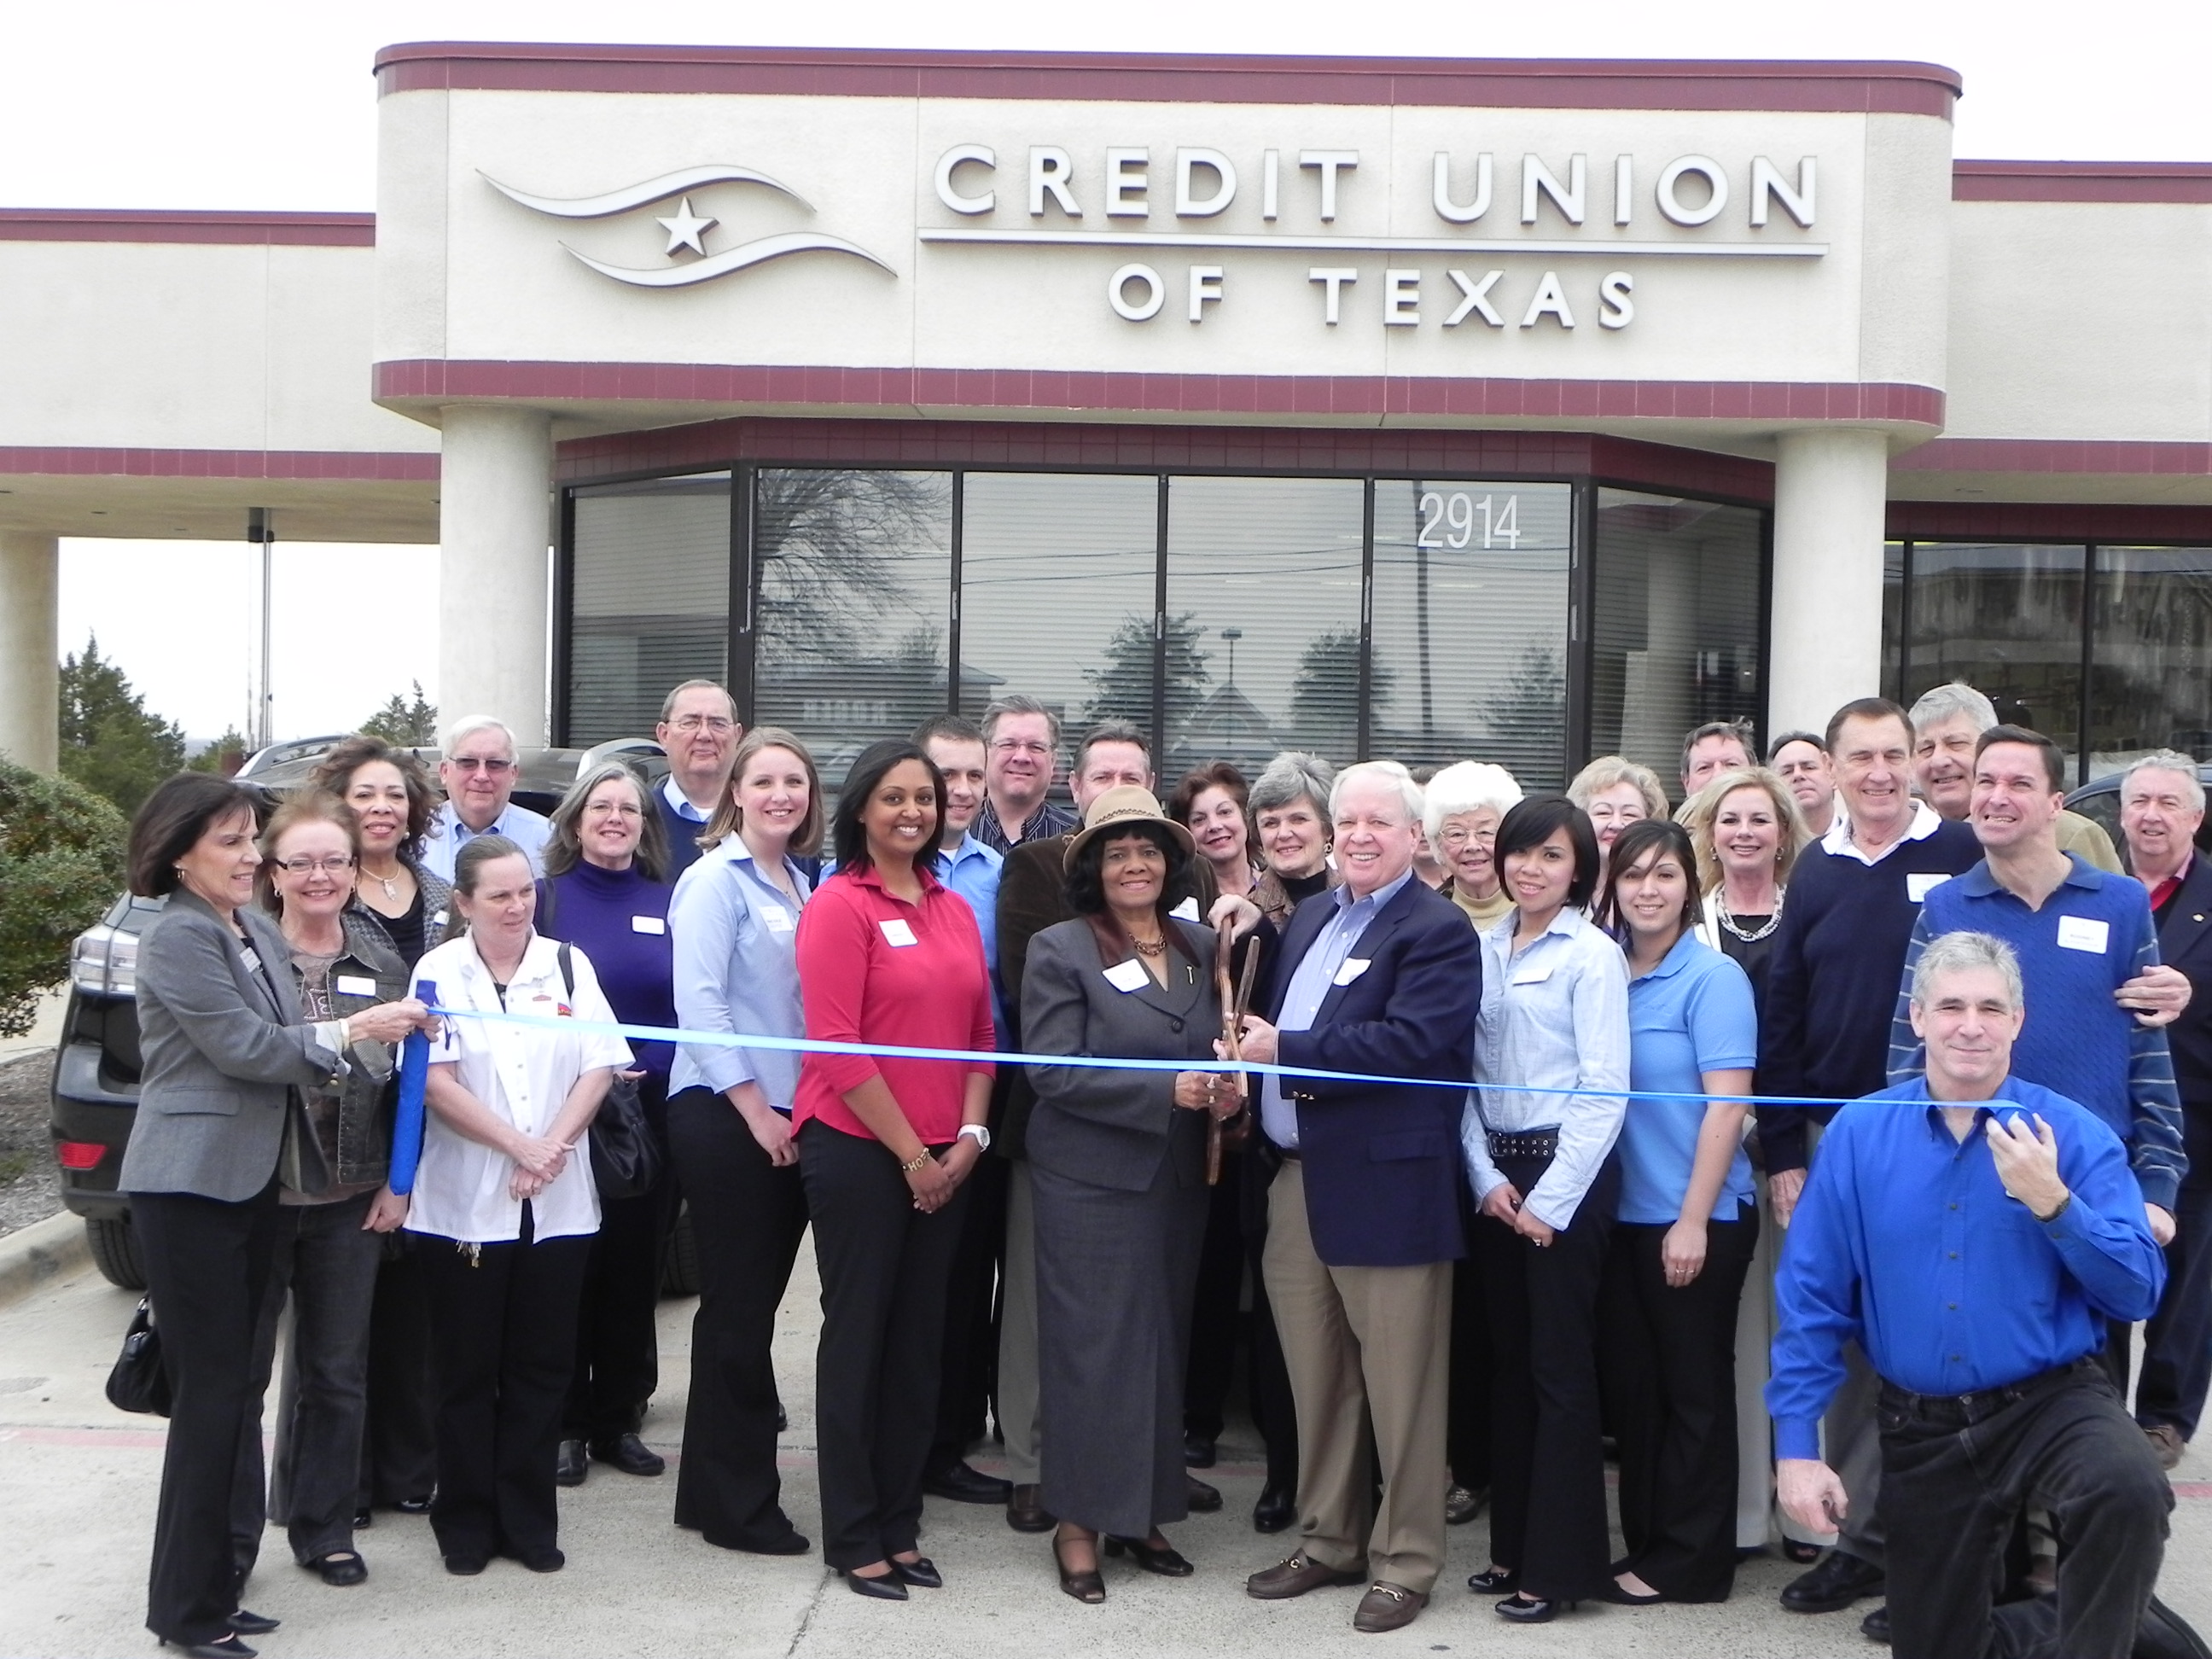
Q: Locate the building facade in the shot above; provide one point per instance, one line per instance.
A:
(1521, 410)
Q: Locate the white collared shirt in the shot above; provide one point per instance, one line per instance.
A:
(527, 829)
(522, 1074)
(1926, 821)
(679, 803)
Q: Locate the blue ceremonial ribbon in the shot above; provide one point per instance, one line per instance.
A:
(1097, 1062)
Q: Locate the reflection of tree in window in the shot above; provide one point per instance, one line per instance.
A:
(1121, 687)
(1325, 694)
(832, 544)
(1523, 710)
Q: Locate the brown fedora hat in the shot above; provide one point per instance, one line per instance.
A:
(1119, 808)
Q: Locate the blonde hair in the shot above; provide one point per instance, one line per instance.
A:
(1699, 812)
(1607, 770)
(729, 816)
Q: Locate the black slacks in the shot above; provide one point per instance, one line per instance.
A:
(618, 1324)
(1953, 1483)
(1214, 1311)
(400, 1453)
(1467, 1422)
(1548, 1512)
(747, 1219)
(1667, 1355)
(884, 1266)
(208, 1269)
(2177, 1365)
(970, 1382)
(504, 1321)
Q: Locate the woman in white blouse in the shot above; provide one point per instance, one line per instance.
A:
(1555, 1021)
(505, 1201)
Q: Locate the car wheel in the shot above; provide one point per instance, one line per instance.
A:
(115, 1250)
(679, 1260)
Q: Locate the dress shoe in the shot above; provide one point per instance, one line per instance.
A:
(1295, 1576)
(227, 1647)
(1201, 1498)
(1274, 1511)
(2162, 1633)
(1621, 1596)
(1875, 1625)
(570, 1466)
(339, 1569)
(1085, 1584)
(418, 1505)
(782, 1420)
(920, 1572)
(630, 1454)
(1531, 1609)
(1025, 1511)
(465, 1566)
(1493, 1581)
(1387, 1606)
(1462, 1505)
(963, 1485)
(1198, 1451)
(883, 1586)
(547, 1559)
(789, 1541)
(1838, 1581)
(243, 1623)
(1160, 1558)
(363, 1520)
(2166, 1440)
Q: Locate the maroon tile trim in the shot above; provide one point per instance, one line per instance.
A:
(2058, 521)
(1363, 397)
(2081, 181)
(394, 466)
(132, 225)
(1541, 83)
(2057, 455)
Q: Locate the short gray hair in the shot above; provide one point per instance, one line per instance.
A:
(1953, 953)
(1958, 697)
(1378, 771)
(469, 724)
(2168, 760)
(1014, 703)
(1291, 776)
(1468, 786)
(1607, 770)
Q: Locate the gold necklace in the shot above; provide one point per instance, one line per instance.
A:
(1158, 947)
(390, 885)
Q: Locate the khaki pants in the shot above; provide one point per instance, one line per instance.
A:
(1361, 1343)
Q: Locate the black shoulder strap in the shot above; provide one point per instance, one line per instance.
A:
(567, 971)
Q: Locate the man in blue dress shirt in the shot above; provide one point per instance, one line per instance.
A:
(1974, 1233)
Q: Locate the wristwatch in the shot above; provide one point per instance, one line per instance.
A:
(978, 1133)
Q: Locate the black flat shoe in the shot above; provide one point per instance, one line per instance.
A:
(885, 1586)
(570, 1465)
(417, 1505)
(1202, 1498)
(339, 1569)
(228, 1648)
(1152, 1557)
(1531, 1609)
(243, 1623)
(1621, 1597)
(1274, 1511)
(465, 1566)
(1491, 1582)
(963, 1485)
(1085, 1586)
(547, 1560)
(1198, 1451)
(920, 1572)
(630, 1454)
(363, 1520)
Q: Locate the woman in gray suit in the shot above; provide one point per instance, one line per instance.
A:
(1119, 1162)
(224, 1049)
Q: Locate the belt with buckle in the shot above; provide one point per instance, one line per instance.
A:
(1523, 1143)
(1983, 1404)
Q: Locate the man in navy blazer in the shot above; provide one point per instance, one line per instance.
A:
(1384, 977)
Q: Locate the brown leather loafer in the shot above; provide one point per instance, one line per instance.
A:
(1025, 1511)
(1387, 1606)
(1295, 1576)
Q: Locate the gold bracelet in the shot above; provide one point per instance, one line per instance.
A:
(916, 1162)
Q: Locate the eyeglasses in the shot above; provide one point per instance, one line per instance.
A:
(1457, 838)
(471, 764)
(1020, 746)
(313, 866)
(718, 724)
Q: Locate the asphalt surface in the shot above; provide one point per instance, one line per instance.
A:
(78, 1479)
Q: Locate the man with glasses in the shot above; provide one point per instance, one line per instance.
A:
(699, 732)
(478, 774)
(1021, 752)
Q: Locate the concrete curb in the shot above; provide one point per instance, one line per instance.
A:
(46, 1250)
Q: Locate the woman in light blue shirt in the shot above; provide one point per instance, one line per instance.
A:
(734, 921)
(1555, 1020)
(1686, 1226)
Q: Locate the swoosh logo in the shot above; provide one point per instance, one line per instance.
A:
(644, 190)
(729, 259)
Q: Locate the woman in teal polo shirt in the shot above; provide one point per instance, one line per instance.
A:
(1686, 1224)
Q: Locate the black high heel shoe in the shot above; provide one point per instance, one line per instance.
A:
(228, 1648)
(883, 1586)
(1087, 1587)
(920, 1572)
(1152, 1557)
(243, 1623)
(1531, 1609)
(1493, 1581)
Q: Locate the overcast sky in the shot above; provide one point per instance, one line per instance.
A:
(228, 105)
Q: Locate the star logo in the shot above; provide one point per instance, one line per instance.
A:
(685, 229)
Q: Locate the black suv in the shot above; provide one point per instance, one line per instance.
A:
(95, 1082)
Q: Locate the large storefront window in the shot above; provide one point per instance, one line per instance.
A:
(1679, 623)
(650, 599)
(2150, 666)
(2005, 618)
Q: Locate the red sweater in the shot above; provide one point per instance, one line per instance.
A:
(860, 982)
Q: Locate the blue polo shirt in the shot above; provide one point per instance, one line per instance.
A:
(972, 870)
(1692, 1014)
(2092, 935)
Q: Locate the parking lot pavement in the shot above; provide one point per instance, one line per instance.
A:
(77, 1482)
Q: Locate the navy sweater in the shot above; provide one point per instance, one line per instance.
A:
(598, 911)
(1832, 985)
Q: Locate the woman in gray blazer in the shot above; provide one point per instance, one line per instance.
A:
(1118, 1159)
(224, 1048)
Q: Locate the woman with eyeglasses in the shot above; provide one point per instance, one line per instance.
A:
(606, 892)
(1616, 792)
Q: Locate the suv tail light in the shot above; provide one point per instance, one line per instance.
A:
(79, 1154)
(104, 960)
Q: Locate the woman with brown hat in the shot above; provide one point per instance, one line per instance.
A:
(1118, 1158)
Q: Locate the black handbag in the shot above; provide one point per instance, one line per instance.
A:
(138, 1382)
(625, 1156)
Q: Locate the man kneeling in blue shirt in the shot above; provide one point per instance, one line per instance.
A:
(1974, 1231)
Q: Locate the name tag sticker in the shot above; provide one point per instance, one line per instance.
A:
(648, 925)
(777, 920)
(1918, 887)
(353, 985)
(1127, 976)
(1530, 976)
(1353, 968)
(2084, 933)
(896, 931)
(1188, 910)
(252, 961)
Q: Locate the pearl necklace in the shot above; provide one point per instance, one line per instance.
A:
(1721, 910)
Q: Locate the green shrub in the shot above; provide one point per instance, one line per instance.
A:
(60, 866)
